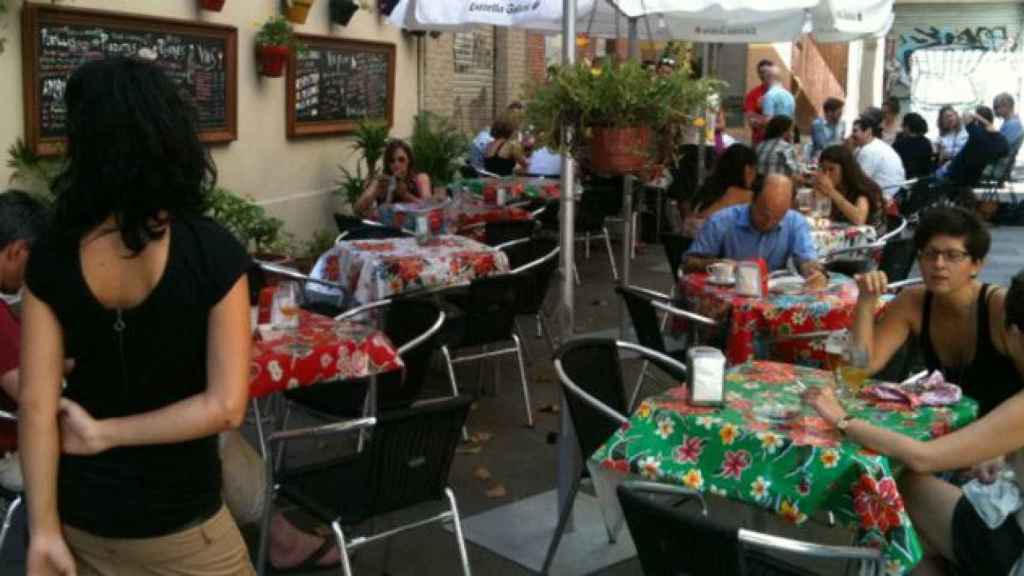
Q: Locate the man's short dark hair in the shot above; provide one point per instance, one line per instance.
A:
(1003, 98)
(832, 104)
(915, 123)
(871, 119)
(765, 62)
(22, 217)
(1014, 307)
(986, 113)
(957, 223)
(778, 126)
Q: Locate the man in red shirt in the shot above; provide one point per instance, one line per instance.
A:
(752, 102)
(22, 220)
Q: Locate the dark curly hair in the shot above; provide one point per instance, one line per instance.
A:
(1015, 302)
(855, 182)
(132, 153)
(955, 222)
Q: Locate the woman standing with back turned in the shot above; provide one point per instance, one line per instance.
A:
(150, 299)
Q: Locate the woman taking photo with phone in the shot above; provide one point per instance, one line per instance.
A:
(399, 183)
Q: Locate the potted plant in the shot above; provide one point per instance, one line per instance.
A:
(261, 234)
(297, 10)
(32, 172)
(370, 139)
(341, 11)
(437, 145)
(612, 109)
(274, 42)
(211, 5)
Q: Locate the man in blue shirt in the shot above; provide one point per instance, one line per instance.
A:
(1011, 127)
(777, 101)
(765, 228)
(828, 129)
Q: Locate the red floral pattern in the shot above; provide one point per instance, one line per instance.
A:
(319, 350)
(878, 503)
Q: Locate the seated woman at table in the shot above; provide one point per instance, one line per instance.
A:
(399, 183)
(730, 183)
(856, 199)
(150, 298)
(979, 527)
(504, 155)
(951, 246)
(766, 228)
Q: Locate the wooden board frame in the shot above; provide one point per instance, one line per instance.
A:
(297, 128)
(36, 15)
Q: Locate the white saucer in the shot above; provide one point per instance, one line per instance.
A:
(717, 282)
(786, 285)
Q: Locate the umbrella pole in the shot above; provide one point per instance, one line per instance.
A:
(702, 136)
(569, 458)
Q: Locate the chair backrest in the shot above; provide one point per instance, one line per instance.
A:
(346, 222)
(644, 317)
(897, 258)
(490, 309)
(537, 258)
(592, 366)
(367, 232)
(675, 246)
(411, 451)
(501, 231)
(670, 542)
(405, 322)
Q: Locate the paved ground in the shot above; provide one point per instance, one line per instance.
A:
(523, 460)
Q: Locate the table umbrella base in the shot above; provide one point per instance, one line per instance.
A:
(521, 532)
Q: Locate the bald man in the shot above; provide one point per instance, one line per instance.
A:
(765, 228)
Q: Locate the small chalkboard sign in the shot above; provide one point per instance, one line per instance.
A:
(201, 59)
(336, 83)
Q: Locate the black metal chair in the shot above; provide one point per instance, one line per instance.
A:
(371, 231)
(536, 259)
(675, 246)
(858, 259)
(405, 464)
(413, 325)
(590, 372)
(669, 541)
(643, 306)
(10, 501)
(486, 316)
(502, 231)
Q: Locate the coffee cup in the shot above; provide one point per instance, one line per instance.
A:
(721, 272)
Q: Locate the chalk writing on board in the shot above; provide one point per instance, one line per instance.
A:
(338, 84)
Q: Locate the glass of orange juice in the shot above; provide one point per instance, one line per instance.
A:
(287, 300)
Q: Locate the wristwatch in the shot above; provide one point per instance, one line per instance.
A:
(844, 422)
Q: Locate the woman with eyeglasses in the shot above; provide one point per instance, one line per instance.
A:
(980, 526)
(957, 320)
(399, 183)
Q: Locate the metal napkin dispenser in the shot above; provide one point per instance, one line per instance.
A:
(705, 368)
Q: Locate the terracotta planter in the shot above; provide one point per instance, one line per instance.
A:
(619, 150)
(272, 60)
(298, 10)
(341, 11)
(211, 5)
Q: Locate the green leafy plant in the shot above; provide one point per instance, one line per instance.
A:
(351, 185)
(249, 222)
(278, 31)
(322, 241)
(371, 138)
(32, 171)
(437, 145)
(615, 96)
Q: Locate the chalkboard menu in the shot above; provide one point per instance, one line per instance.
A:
(336, 83)
(201, 59)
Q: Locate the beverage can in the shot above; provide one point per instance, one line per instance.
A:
(422, 228)
(501, 196)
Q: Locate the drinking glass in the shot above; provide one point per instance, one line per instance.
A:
(822, 206)
(287, 299)
(805, 200)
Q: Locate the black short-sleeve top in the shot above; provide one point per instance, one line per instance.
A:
(157, 358)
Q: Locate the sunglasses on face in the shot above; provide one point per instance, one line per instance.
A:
(951, 256)
(399, 160)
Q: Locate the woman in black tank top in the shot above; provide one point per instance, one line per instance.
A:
(502, 131)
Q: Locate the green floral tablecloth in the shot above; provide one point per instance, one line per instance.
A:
(795, 466)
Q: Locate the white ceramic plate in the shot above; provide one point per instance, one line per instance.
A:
(717, 282)
(786, 285)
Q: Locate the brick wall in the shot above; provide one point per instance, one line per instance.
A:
(459, 77)
(536, 66)
(510, 66)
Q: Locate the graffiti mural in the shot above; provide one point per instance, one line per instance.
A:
(900, 50)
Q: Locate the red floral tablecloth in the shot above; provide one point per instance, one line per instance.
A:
(377, 269)
(320, 350)
(518, 187)
(472, 216)
(751, 323)
(793, 467)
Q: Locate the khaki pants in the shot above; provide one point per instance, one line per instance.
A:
(213, 548)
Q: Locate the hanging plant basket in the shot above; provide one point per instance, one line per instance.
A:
(272, 60)
(616, 151)
(342, 11)
(297, 10)
(211, 5)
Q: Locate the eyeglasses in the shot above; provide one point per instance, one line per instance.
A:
(399, 160)
(951, 256)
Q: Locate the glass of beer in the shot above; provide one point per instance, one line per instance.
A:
(287, 299)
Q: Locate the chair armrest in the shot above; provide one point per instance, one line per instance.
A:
(670, 365)
(360, 310)
(877, 245)
(897, 286)
(583, 395)
(667, 490)
(538, 262)
(780, 544)
(512, 243)
(295, 274)
(6, 416)
(434, 329)
(332, 429)
(895, 232)
(684, 314)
